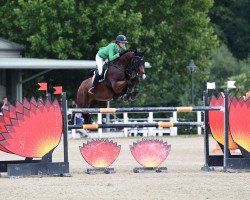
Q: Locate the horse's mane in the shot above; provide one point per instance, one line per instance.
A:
(134, 66)
(136, 52)
(127, 51)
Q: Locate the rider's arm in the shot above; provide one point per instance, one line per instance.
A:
(111, 50)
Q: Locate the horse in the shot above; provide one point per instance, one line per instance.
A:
(121, 80)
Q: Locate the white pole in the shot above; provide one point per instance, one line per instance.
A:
(73, 131)
(199, 120)
(108, 116)
(150, 120)
(173, 130)
(99, 121)
(125, 120)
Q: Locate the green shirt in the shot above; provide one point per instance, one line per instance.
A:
(110, 52)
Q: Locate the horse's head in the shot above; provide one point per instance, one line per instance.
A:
(137, 66)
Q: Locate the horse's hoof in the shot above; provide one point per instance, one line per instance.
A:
(133, 98)
(115, 98)
(126, 99)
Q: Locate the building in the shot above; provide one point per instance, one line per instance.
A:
(9, 78)
(12, 63)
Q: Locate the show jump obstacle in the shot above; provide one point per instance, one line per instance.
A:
(45, 165)
(227, 161)
(33, 129)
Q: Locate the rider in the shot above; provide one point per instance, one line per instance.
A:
(110, 53)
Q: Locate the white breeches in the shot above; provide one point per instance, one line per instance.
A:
(100, 62)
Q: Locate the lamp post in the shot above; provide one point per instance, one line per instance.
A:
(191, 67)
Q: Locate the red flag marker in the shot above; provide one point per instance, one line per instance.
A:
(43, 86)
(58, 90)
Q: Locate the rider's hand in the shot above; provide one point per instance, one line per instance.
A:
(123, 52)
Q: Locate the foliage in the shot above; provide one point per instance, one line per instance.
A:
(172, 32)
(232, 21)
(225, 67)
(242, 78)
(175, 32)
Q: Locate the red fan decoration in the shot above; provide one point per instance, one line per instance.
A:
(239, 121)
(31, 129)
(100, 153)
(3, 149)
(150, 152)
(216, 122)
(3, 122)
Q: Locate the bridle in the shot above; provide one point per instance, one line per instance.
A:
(133, 70)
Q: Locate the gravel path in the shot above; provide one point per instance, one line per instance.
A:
(184, 179)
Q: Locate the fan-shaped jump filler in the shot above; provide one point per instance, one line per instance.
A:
(100, 154)
(239, 115)
(31, 129)
(150, 153)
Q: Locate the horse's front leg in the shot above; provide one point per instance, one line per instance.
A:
(119, 86)
(129, 91)
(135, 88)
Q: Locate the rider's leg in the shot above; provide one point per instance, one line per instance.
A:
(95, 80)
(100, 62)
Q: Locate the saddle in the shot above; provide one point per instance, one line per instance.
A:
(102, 78)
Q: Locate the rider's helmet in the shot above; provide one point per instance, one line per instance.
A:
(121, 39)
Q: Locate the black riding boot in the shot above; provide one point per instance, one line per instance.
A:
(96, 80)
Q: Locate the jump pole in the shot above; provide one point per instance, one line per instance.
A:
(145, 109)
(135, 125)
(206, 135)
(65, 128)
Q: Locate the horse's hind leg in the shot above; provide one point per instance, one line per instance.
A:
(99, 104)
(102, 104)
(87, 118)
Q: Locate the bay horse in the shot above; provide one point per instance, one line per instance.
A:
(121, 80)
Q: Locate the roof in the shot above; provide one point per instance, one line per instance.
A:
(35, 63)
(6, 45)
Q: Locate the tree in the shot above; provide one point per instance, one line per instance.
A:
(232, 21)
(225, 67)
(172, 32)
